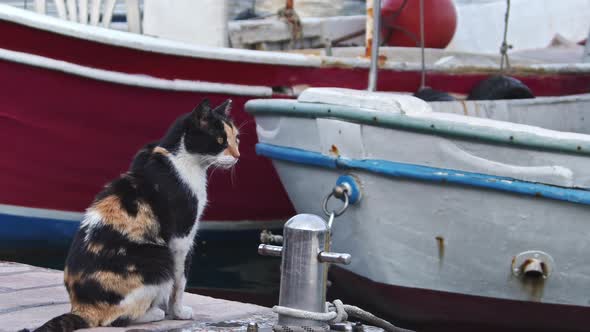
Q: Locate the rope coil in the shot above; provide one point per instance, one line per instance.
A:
(336, 312)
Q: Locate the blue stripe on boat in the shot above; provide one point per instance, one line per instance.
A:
(425, 173)
(45, 232)
(27, 232)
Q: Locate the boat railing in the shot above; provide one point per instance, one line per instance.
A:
(93, 12)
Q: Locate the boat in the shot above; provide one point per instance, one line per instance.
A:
(471, 212)
(111, 68)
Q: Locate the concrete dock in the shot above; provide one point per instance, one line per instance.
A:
(30, 296)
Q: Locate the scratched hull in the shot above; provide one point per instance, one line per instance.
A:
(443, 217)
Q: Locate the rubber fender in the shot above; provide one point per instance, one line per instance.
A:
(429, 94)
(500, 87)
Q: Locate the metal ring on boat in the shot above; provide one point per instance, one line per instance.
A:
(337, 189)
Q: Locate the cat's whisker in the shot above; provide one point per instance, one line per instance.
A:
(243, 124)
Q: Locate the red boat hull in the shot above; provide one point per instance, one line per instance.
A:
(91, 53)
(65, 136)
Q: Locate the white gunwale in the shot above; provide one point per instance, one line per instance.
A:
(143, 81)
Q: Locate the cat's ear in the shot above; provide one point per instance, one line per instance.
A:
(224, 108)
(200, 115)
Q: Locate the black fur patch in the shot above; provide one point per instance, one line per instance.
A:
(63, 323)
(91, 292)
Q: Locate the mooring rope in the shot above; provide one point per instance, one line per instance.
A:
(336, 312)
(505, 46)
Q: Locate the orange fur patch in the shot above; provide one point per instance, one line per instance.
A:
(98, 314)
(161, 150)
(136, 228)
(95, 248)
(118, 283)
(102, 314)
(232, 141)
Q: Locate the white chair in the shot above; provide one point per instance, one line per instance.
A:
(77, 11)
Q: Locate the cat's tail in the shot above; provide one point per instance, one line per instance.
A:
(64, 323)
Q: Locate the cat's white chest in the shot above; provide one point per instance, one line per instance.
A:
(194, 176)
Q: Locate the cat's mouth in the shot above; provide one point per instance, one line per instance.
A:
(226, 162)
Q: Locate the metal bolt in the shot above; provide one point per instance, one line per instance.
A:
(269, 250)
(334, 257)
(533, 268)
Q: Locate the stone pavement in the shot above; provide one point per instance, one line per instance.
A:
(30, 296)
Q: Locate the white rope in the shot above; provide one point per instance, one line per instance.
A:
(336, 312)
(303, 314)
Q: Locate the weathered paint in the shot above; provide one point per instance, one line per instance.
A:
(393, 229)
(432, 122)
(424, 173)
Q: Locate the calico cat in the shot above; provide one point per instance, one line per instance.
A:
(130, 259)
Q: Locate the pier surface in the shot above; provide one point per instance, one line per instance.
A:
(30, 296)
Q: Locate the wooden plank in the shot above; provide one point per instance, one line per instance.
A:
(36, 295)
(40, 6)
(133, 16)
(107, 14)
(83, 11)
(94, 12)
(60, 6)
(72, 10)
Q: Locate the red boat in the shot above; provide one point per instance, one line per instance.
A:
(79, 101)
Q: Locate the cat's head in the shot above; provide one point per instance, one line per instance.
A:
(208, 134)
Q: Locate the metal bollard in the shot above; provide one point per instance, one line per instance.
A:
(304, 267)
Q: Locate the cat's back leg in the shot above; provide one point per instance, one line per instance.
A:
(116, 280)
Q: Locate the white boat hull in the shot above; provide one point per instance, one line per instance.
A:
(437, 232)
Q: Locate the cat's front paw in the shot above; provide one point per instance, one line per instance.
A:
(182, 312)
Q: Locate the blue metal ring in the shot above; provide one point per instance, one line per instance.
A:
(354, 194)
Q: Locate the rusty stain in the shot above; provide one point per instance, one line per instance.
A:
(535, 287)
(369, 29)
(331, 63)
(369, 47)
(440, 243)
(381, 59)
(532, 284)
(538, 194)
(334, 150)
(526, 263)
(513, 263)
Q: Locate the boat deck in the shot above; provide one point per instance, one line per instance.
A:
(30, 296)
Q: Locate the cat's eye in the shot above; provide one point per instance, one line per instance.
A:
(220, 140)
